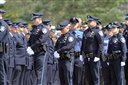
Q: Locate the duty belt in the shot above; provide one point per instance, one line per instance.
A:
(114, 56)
(77, 54)
(63, 56)
(3, 47)
(39, 48)
(90, 55)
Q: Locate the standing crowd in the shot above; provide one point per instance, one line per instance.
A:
(73, 53)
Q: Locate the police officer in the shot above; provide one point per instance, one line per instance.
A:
(11, 52)
(38, 43)
(92, 49)
(116, 55)
(78, 65)
(4, 33)
(105, 66)
(126, 37)
(65, 48)
(50, 63)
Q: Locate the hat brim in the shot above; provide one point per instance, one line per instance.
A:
(34, 17)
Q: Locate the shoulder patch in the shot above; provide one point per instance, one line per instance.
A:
(101, 33)
(122, 40)
(70, 39)
(44, 30)
(2, 28)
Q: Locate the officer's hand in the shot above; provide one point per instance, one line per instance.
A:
(30, 51)
(81, 58)
(56, 54)
(96, 59)
(122, 63)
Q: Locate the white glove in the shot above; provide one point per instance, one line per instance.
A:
(108, 63)
(30, 51)
(122, 63)
(81, 58)
(56, 54)
(96, 59)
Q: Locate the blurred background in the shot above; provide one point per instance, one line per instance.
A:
(57, 10)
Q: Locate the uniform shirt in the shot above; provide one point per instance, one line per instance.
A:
(92, 41)
(117, 43)
(78, 36)
(106, 42)
(4, 32)
(21, 48)
(39, 35)
(65, 43)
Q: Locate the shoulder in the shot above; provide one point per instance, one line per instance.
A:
(121, 38)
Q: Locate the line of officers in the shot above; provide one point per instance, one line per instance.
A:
(77, 57)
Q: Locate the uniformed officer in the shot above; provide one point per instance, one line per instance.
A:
(92, 50)
(65, 48)
(126, 37)
(4, 33)
(105, 66)
(20, 58)
(50, 63)
(122, 28)
(38, 42)
(78, 65)
(116, 55)
(12, 48)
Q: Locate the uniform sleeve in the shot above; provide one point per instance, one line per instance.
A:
(123, 48)
(44, 35)
(100, 40)
(82, 46)
(70, 44)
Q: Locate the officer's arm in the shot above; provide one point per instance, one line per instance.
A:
(100, 40)
(123, 48)
(82, 46)
(44, 36)
(70, 44)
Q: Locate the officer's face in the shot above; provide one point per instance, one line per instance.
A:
(37, 21)
(115, 30)
(92, 23)
(65, 30)
(74, 26)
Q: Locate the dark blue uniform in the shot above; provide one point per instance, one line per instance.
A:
(65, 47)
(92, 46)
(126, 67)
(4, 36)
(117, 54)
(39, 40)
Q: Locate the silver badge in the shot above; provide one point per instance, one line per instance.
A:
(101, 33)
(70, 39)
(2, 28)
(44, 30)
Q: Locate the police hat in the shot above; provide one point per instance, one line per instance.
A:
(114, 25)
(92, 18)
(74, 20)
(2, 11)
(15, 24)
(36, 15)
(25, 24)
(62, 25)
(47, 22)
(8, 21)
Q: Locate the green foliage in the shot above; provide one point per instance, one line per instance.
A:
(57, 10)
